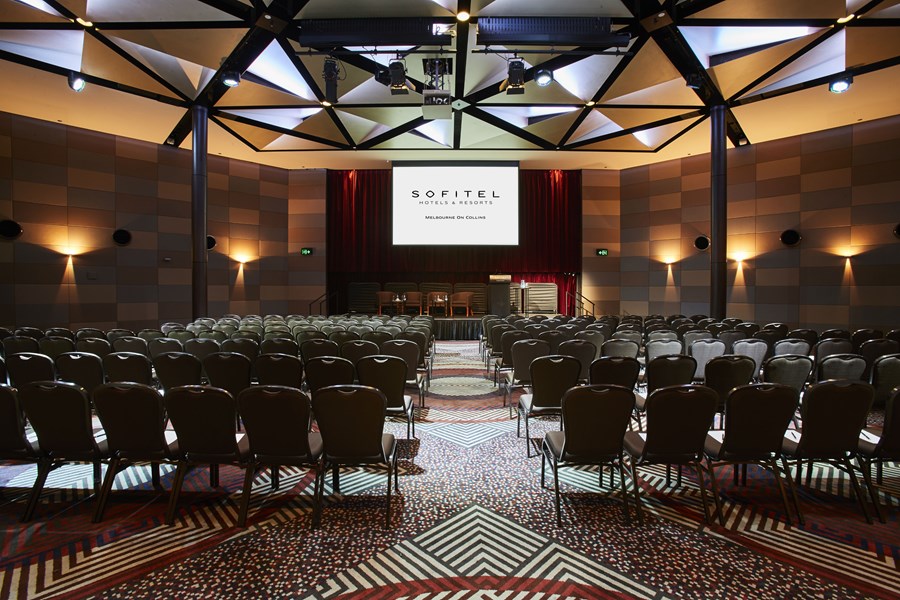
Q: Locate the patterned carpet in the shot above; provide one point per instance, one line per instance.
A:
(470, 521)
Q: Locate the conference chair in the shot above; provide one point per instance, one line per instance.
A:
(551, 376)
(388, 375)
(128, 366)
(175, 369)
(82, 368)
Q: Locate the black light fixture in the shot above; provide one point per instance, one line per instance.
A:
(122, 237)
(515, 77)
(76, 81)
(330, 72)
(231, 78)
(840, 85)
(210, 242)
(543, 77)
(790, 237)
(693, 81)
(9, 229)
(897, 231)
(397, 72)
(701, 242)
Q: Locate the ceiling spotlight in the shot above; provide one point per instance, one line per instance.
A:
(231, 78)
(846, 19)
(397, 71)
(462, 16)
(840, 85)
(543, 77)
(76, 81)
(694, 81)
(515, 77)
(330, 73)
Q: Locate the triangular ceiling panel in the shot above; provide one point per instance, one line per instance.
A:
(392, 118)
(583, 78)
(206, 47)
(825, 59)
(594, 125)
(98, 60)
(59, 48)
(647, 68)
(438, 130)
(274, 66)
(249, 93)
(258, 136)
(371, 92)
(867, 45)
(185, 76)
(474, 131)
(550, 94)
(672, 92)
(732, 76)
(709, 42)
(623, 143)
(654, 137)
(31, 11)
(148, 10)
(554, 128)
(627, 118)
(575, 8)
(886, 10)
(348, 79)
(291, 142)
(358, 127)
(775, 9)
(321, 125)
(410, 141)
(286, 118)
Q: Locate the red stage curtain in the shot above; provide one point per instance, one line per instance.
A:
(359, 246)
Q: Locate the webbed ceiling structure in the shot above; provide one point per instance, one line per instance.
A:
(355, 83)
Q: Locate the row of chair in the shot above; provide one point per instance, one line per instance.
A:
(595, 419)
(350, 422)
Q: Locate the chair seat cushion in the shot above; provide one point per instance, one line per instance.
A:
(634, 443)
(640, 401)
(555, 440)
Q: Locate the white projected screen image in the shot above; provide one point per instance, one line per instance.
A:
(451, 204)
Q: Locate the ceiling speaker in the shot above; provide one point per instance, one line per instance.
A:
(701, 243)
(122, 237)
(897, 230)
(210, 242)
(790, 237)
(9, 229)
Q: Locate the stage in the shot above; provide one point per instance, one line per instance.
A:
(457, 328)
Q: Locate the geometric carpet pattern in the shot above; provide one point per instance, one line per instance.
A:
(469, 520)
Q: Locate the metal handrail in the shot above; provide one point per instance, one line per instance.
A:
(580, 300)
(325, 297)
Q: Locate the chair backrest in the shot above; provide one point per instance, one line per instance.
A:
(885, 376)
(60, 414)
(726, 372)
(692, 335)
(594, 418)
(159, 345)
(584, 351)
(756, 417)
(420, 339)
(25, 367)
(351, 421)
(53, 346)
(678, 418)
(130, 343)
(128, 366)
(201, 347)
(385, 373)
(890, 434)
(754, 348)
(150, 334)
(90, 332)
(276, 419)
(278, 369)
(789, 369)
(13, 443)
(836, 333)
(828, 346)
(32, 332)
(205, 421)
(628, 334)
(319, 347)
(791, 346)
(594, 336)
(60, 332)
(833, 413)
(810, 336)
(780, 329)
(83, 368)
(704, 350)
(95, 345)
(249, 347)
(841, 366)
(324, 371)
(662, 334)
(134, 420)
(15, 344)
(620, 347)
(730, 336)
(280, 345)
(523, 352)
(871, 350)
(408, 350)
(506, 343)
(309, 334)
(661, 347)
(551, 376)
(353, 350)
(228, 370)
(748, 328)
(177, 368)
(615, 370)
(342, 337)
(669, 370)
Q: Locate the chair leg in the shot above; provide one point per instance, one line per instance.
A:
(856, 488)
(105, 489)
(793, 489)
(275, 476)
(715, 493)
(249, 471)
(318, 484)
(621, 468)
(213, 475)
(637, 494)
(44, 468)
(387, 514)
(773, 466)
(180, 472)
(98, 480)
(154, 474)
(699, 469)
(555, 466)
(336, 479)
(527, 438)
(865, 468)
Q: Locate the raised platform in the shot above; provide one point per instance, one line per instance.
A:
(457, 328)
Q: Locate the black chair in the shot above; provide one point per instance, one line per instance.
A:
(26, 367)
(885, 377)
(551, 376)
(279, 345)
(14, 444)
(594, 419)
(756, 418)
(678, 419)
(325, 371)
(204, 419)
(277, 418)
(388, 375)
(359, 440)
(664, 371)
(279, 369)
(175, 369)
(134, 419)
(60, 413)
(882, 447)
(726, 372)
(83, 368)
(128, 366)
(616, 370)
(229, 371)
(318, 347)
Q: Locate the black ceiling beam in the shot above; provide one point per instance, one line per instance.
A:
(637, 128)
(392, 133)
(275, 128)
(235, 8)
(690, 7)
(499, 123)
(459, 84)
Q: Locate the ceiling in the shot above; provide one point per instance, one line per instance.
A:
(148, 62)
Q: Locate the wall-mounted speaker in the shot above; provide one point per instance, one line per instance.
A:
(122, 237)
(897, 230)
(790, 237)
(210, 242)
(701, 243)
(9, 229)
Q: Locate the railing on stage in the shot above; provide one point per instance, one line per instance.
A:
(580, 301)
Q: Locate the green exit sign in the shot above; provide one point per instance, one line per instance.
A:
(602, 252)
(306, 251)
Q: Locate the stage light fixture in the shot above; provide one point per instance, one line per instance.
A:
(330, 73)
(231, 78)
(76, 81)
(397, 71)
(543, 77)
(515, 77)
(840, 85)
(693, 81)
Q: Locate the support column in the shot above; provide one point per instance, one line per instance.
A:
(718, 281)
(198, 211)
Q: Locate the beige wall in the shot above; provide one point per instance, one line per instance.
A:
(70, 189)
(839, 188)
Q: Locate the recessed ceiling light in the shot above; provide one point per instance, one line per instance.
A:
(590, 103)
(841, 85)
(83, 22)
(462, 16)
(326, 103)
(846, 19)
